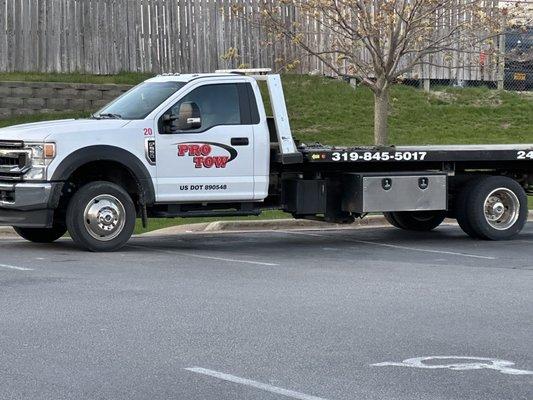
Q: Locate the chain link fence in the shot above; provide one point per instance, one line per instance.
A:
(518, 67)
(509, 67)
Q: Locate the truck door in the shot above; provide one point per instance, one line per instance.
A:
(205, 146)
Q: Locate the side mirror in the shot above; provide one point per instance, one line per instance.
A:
(189, 115)
(188, 118)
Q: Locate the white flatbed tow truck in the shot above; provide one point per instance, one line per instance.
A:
(183, 145)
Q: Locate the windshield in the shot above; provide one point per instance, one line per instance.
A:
(140, 101)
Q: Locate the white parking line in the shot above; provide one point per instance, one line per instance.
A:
(232, 260)
(15, 268)
(394, 246)
(255, 384)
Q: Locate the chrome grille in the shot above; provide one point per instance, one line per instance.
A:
(14, 160)
(11, 144)
(10, 160)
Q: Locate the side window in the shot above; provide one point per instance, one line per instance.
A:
(204, 108)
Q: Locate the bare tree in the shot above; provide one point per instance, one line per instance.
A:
(379, 41)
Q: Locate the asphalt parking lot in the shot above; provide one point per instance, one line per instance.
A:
(270, 315)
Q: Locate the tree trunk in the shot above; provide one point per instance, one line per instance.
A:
(381, 117)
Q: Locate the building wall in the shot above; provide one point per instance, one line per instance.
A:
(26, 98)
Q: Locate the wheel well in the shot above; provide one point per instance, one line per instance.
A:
(102, 170)
(523, 177)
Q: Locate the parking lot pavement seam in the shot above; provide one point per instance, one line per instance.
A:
(395, 246)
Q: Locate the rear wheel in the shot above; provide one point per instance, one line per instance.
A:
(421, 221)
(41, 235)
(101, 217)
(462, 210)
(494, 208)
(389, 216)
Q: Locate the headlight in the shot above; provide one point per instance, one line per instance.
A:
(41, 155)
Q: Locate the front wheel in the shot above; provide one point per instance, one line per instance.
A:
(421, 221)
(101, 217)
(41, 235)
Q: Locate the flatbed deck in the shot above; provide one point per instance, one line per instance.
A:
(447, 153)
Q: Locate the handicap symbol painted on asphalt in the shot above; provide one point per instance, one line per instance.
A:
(469, 363)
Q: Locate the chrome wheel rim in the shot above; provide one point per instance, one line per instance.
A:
(104, 217)
(502, 209)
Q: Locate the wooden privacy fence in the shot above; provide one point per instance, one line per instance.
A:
(109, 36)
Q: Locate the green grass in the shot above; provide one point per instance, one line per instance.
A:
(41, 117)
(332, 112)
(123, 78)
(157, 223)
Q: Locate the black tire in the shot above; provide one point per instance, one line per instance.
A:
(462, 210)
(389, 216)
(41, 235)
(101, 217)
(496, 191)
(419, 221)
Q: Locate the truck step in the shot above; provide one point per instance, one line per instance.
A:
(215, 210)
(206, 213)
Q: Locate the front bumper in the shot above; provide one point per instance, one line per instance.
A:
(29, 205)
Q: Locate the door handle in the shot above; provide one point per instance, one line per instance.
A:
(240, 141)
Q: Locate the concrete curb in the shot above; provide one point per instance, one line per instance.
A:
(262, 225)
(7, 232)
(280, 224)
(276, 224)
(253, 225)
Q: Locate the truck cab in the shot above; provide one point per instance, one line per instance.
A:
(202, 145)
(175, 141)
